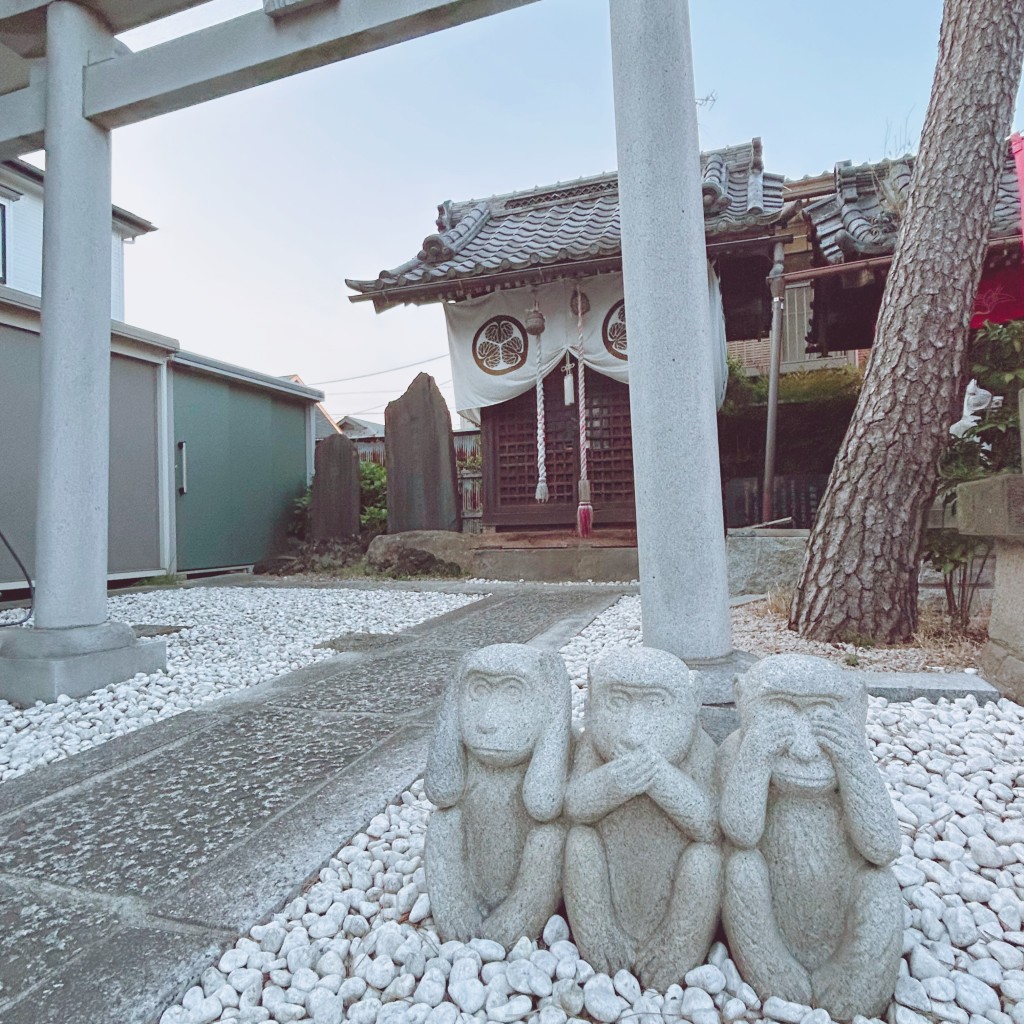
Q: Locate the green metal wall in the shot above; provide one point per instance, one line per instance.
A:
(246, 452)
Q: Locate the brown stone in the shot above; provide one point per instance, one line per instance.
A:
(334, 509)
(421, 551)
(420, 456)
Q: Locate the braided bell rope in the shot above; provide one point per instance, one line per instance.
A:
(541, 493)
(582, 408)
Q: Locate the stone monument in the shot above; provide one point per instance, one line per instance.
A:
(497, 771)
(995, 508)
(334, 509)
(811, 909)
(643, 864)
(420, 456)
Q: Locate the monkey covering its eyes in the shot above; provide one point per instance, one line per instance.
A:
(812, 912)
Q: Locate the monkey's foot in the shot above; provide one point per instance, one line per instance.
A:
(607, 949)
(791, 982)
(658, 964)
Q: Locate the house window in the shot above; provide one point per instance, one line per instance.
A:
(3, 243)
(796, 321)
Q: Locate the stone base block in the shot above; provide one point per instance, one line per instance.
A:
(42, 664)
(717, 674)
(1004, 669)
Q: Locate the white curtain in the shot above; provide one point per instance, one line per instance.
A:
(494, 359)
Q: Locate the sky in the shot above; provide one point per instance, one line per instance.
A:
(267, 200)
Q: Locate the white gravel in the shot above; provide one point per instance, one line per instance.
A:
(360, 945)
(232, 638)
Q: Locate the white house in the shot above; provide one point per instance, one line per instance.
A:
(21, 234)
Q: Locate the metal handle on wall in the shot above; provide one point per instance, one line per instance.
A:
(183, 448)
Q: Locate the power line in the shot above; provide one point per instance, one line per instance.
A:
(377, 373)
(380, 408)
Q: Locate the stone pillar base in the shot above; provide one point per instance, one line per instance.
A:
(42, 664)
(1004, 669)
(717, 674)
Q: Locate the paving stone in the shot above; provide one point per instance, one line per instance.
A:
(126, 869)
(393, 683)
(128, 976)
(37, 929)
(113, 755)
(504, 621)
(145, 831)
(268, 869)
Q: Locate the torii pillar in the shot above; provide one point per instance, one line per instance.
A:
(73, 648)
(684, 590)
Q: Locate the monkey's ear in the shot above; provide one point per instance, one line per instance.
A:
(696, 684)
(544, 785)
(445, 777)
(742, 688)
(857, 704)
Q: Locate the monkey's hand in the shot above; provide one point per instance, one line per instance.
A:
(843, 746)
(767, 738)
(634, 771)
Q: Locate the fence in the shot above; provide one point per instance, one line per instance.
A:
(796, 495)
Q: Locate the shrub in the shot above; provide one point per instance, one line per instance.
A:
(991, 447)
(373, 498)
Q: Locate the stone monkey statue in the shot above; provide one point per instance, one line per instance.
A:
(497, 770)
(812, 912)
(642, 864)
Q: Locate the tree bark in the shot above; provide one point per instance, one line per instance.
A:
(860, 573)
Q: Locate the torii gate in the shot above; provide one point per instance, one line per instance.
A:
(66, 83)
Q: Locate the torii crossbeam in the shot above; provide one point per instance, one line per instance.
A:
(66, 82)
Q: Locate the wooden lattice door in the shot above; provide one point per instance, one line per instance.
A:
(509, 440)
(610, 458)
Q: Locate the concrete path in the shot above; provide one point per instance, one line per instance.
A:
(126, 869)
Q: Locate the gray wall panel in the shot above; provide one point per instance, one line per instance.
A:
(19, 445)
(134, 484)
(134, 516)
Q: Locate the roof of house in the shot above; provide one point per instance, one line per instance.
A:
(323, 425)
(354, 427)
(568, 225)
(861, 218)
(131, 225)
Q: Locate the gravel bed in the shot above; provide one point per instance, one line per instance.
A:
(359, 945)
(230, 638)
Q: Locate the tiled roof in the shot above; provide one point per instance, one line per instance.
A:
(568, 223)
(861, 219)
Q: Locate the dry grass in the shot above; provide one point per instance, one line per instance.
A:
(762, 628)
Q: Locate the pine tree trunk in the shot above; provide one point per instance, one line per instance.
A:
(860, 573)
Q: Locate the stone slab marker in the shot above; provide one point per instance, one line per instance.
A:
(420, 455)
(334, 509)
(680, 530)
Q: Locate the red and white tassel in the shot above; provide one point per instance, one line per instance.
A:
(584, 511)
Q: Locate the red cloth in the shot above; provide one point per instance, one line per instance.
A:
(1000, 297)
